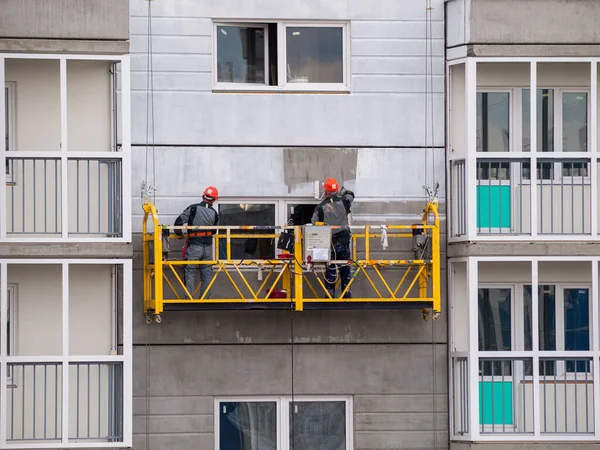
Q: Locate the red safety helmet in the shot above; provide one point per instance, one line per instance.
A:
(210, 194)
(331, 186)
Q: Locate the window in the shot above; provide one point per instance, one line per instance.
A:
(563, 321)
(280, 56)
(495, 327)
(282, 424)
(9, 125)
(315, 54)
(242, 54)
(493, 119)
(247, 214)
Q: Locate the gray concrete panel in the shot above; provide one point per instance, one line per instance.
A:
(266, 370)
(400, 440)
(405, 403)
(540, 50)
(64, 46)
(460, 250)
(66, 250)
(65, 19)
(569, 445)
(400, 421)
(166, 406)
(180, 423)
(175, 441)
(534, 22)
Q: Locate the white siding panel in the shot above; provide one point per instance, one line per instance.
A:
(174, 63)
(394, 65)
(167, 26)
(397, 47)
(457, 29)
(398, 29)
(397, 83)
(291, 9)
(200, 45)
(173, 81)
(259, 119)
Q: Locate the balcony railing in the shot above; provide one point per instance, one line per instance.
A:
(505, 202)
(504, 389)
(34, 402)
(35, 198)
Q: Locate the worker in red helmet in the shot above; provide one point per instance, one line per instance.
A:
(199, 242)
(333, 211)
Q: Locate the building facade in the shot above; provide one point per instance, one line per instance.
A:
(109, 104)
(522, 93)
(65, 228)
(262, 99)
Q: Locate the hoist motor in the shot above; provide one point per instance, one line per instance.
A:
(421, 244)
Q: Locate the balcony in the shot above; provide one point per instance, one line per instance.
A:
(67, 149)
(524, 345)
(66, 368)
(493, 146)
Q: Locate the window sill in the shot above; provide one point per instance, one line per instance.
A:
(288, 89)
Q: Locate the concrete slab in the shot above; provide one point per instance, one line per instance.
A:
(66, 250)
(504, 248)
(64, 46)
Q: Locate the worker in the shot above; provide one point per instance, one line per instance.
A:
(333, 211)
(199, 243)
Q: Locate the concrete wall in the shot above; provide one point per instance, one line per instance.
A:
(65, 19)
(510, 22)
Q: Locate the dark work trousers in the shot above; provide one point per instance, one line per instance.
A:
(340, 249)
(198, 253)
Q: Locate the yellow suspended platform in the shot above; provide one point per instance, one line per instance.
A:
(288, 282)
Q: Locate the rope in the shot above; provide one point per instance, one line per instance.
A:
(292, 377)
(147, 388)
(429, 101)
(150, 106)
(149, 132)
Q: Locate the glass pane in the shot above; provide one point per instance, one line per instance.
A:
(247, 426)
(315, 54)
(318, 425)
(545, 120)
(546, 324)
(240, 54)
(248, 214)
(495, 319)
(574, 121)
(577, 325)
(493, 122)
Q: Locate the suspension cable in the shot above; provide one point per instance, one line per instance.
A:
(429, 119)
(150, 109)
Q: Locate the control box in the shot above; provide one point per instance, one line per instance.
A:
(317, 243)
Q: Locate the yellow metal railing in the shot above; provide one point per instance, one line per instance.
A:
(287, 280)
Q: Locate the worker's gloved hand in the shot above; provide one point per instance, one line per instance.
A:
(177, 232)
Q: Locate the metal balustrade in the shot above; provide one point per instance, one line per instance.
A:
(35, 196)
(34, 402)
(503, 195)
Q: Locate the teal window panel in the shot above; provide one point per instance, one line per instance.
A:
(496, 403)
(493, 206)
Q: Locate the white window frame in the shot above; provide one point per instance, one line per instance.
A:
(282, 83)
(236, 86)
(10, 86)
(282, 59)
(283, 417)
(11, 321)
